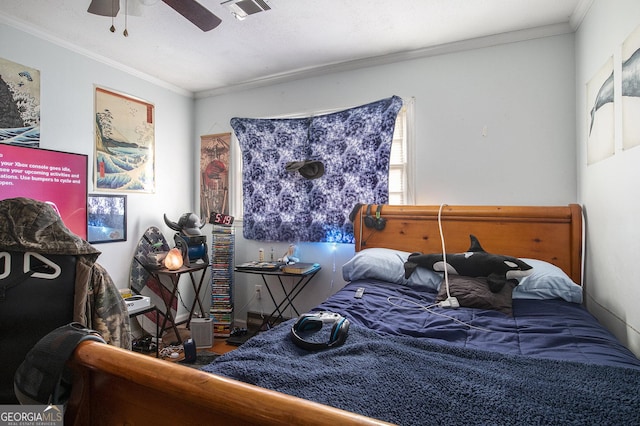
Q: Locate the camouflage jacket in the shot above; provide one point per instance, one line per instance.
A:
(30, 225)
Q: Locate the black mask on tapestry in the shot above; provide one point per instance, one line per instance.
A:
(301, 177)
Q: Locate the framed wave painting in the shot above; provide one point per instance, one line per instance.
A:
(124, 143)
(20, 101)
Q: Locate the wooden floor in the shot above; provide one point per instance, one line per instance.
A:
(220, 346)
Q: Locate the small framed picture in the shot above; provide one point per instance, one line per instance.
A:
(107, 218)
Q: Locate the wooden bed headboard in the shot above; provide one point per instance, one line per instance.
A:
(552, 234)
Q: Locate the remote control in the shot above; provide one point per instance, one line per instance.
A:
(359, 292)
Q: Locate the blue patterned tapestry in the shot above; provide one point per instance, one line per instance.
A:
(354, 145)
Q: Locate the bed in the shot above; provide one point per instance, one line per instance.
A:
(525, 355)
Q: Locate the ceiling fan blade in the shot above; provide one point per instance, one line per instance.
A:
(199, 15)
(104, 7)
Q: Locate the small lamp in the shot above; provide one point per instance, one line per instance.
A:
(173, 260)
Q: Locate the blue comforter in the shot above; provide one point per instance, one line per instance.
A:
(407, 365)
(552, 329)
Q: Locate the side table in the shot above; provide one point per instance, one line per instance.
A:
(303, 279)
(168, 295)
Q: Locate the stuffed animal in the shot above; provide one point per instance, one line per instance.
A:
(474, 263)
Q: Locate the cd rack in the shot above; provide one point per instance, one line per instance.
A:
(221, 312)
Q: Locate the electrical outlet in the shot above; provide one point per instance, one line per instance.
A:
(259, 291)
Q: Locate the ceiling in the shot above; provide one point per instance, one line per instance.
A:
(295, 38)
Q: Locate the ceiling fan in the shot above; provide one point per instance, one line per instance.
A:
(193, 11)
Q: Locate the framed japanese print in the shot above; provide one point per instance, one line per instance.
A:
(124, 143)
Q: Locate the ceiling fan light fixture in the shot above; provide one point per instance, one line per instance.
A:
(104, 8)
(240, 9)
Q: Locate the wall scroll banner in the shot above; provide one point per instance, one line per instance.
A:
(124, 143)
(282, 204)
(214, 174)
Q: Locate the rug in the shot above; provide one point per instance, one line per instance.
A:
(202, 359)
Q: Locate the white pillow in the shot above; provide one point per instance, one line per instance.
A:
(388, 265)
(547, 282)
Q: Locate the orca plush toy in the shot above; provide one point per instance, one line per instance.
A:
(474, 263)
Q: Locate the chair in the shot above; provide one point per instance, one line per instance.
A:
(36, 297)
(46, 273)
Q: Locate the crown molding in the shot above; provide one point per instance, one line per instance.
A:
(30, 29)
(470, 44)
(579, 13)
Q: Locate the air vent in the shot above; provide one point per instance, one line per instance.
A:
(243, 8)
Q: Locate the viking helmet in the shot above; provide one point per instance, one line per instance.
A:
(189, 224)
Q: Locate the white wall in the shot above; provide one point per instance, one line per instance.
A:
(523, 93)
(67, 124)
(609, 189)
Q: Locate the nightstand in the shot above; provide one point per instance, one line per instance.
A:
(302, 279)
(168, 293)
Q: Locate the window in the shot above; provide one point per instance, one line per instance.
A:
(399, 165)
(400, 171)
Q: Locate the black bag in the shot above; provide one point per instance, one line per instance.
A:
(43, 377)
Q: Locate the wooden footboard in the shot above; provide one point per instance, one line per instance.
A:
(114, 386)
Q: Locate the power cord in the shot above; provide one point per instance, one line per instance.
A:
(171, 351)
(182, 301)
(450, 302)
(251, 299)
(334, 248)
(429, 308)
(364, 241)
